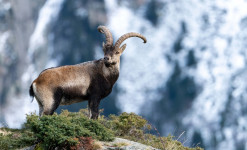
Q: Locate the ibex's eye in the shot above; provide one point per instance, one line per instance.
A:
(117, 52)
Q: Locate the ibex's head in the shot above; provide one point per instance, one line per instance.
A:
(112, 52)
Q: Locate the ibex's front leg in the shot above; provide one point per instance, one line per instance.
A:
(93, 107)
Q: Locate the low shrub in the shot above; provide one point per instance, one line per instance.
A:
(65, 129)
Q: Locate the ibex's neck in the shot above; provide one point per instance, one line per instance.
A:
(111, 73)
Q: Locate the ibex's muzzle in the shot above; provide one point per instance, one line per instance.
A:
(106, 58)
(108, 61)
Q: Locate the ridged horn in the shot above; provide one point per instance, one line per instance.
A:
(108, 35)
(128, 35)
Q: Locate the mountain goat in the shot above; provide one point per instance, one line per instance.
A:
(90, 81)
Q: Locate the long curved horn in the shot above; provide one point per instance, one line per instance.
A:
(128, 35)
(108, 35)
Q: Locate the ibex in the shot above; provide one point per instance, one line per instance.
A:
(90, 81)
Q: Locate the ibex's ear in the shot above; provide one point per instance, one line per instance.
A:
(122, 48)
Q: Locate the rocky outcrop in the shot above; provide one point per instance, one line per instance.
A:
(123, 144)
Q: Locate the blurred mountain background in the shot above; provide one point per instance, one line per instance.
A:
(190, 76)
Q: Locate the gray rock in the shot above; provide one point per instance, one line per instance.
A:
(29, 148)
(126, 145)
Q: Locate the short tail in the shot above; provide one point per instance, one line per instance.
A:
(31, 93)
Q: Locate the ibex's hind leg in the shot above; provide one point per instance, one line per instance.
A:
(40, 108)
(40, 105)
(47, 111)
(39, 101)
(48, 100)
(46, 107)
(57, 98)
(38, 98)
(50, 109)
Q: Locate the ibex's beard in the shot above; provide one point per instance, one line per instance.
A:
(109, 64)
